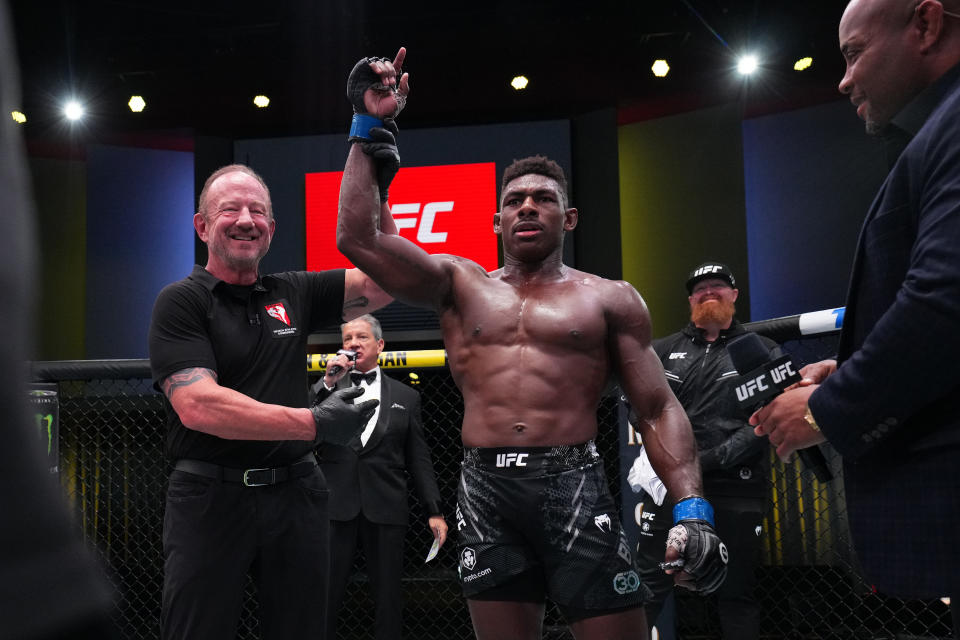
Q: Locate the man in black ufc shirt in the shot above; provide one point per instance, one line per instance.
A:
(227, 348)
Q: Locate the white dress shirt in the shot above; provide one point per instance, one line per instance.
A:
(370, 392)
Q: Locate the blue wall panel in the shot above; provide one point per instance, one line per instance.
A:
(809, 177)
(140, 205)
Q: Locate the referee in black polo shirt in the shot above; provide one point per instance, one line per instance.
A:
(227, 349)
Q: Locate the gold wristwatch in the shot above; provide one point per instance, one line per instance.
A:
(810, 421)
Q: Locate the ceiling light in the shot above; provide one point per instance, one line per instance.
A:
(137, 104)
(261, 101)
(747, 65)
(802, 63)
(660, 68)
(73, 110)
(18, 117)
(519, 83)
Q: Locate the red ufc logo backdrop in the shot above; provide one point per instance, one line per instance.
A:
(443, 209)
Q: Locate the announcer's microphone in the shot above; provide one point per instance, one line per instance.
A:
(334, 369)
(762, 379)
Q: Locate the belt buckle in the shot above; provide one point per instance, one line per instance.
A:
(248, 483)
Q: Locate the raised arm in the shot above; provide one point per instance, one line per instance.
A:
(397, 265)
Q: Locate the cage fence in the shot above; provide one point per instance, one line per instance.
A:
(114, 474)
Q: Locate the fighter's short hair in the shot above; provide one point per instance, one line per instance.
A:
(540, 165)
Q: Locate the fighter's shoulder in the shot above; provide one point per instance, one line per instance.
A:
(617, 297)
(460, 265)
(619, 291)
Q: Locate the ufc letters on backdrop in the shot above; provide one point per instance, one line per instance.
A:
(443, 209)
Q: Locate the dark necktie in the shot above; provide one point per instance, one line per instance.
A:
(369, 377)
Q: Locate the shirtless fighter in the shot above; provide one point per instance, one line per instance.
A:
(531, 347)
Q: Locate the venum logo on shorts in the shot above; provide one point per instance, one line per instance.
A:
(626, 582)
(603, 523)
(468, 558)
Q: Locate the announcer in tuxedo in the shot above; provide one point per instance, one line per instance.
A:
(368, 479)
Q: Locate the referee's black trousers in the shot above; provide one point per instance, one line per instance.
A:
(215, 532)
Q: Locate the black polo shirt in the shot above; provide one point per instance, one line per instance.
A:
(255, 338)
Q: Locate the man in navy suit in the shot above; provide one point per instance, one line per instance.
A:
(368, 479)
(889, 403)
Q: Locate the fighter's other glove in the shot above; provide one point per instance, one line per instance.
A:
(703, 553)
(339, 421)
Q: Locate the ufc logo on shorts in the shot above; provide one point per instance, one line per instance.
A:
(424, 226)
(511, 459)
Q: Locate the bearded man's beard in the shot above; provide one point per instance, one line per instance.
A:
(712, 312)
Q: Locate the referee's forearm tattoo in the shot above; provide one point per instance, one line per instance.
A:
(184, 378)
(362, 301)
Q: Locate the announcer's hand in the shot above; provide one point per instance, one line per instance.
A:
(782, 420)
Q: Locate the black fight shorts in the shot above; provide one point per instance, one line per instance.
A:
(544, 512)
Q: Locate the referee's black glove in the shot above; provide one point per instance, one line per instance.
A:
(338, 420)
(382, 147)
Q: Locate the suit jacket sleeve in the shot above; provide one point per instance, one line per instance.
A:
(319, 393)
(907, 277)
(419, 464)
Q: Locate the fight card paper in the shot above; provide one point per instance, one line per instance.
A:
(434, 549)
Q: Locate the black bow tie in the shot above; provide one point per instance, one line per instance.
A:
(369, 377)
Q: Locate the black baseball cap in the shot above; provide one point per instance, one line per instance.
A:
(710, 270)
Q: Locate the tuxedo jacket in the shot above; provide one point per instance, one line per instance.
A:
(892, 409)
(372, 479)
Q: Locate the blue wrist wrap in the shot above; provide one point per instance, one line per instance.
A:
(361, 125)
(693, 509)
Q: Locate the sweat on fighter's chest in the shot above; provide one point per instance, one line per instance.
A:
(546, 314)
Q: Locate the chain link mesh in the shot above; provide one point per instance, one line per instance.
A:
(114, 474)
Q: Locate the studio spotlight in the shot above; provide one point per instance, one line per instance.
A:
(660, 68)
(73, 110)
(18, 116)
(802, 64)
(519, 83)
(261, 101)
(747, 64)
(137, 104)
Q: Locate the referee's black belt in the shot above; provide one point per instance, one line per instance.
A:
(249, 477)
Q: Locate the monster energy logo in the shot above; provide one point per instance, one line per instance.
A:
(46, 419)
(45, 408)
